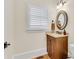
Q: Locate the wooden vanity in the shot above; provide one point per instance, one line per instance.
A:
(57, 45)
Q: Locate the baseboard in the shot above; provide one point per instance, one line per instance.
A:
(30, 54)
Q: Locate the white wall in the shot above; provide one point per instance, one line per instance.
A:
(9, 21)
(27, 41)
(15, 25)
(69, 8)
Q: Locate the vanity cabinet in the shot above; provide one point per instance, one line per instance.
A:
(57, 46)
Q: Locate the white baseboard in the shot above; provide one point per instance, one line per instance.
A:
(31, 54)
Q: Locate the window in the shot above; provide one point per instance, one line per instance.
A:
(38, 18)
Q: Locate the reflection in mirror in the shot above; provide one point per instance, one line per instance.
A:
(61, 20)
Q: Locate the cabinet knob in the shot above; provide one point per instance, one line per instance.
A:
(6, 44)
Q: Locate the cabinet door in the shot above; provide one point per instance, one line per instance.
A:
(50, 46)
(65, 47)
(61, 48)
(53, 48)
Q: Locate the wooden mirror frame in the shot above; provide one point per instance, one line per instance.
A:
(65, 20)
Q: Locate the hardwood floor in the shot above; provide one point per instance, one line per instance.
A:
(42, 57)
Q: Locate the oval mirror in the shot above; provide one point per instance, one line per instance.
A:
(61, 20)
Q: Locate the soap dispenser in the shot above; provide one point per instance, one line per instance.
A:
(52, 26)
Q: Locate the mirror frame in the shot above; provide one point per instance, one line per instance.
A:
(65, 19)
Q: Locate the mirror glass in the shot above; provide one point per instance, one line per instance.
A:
(61, 20)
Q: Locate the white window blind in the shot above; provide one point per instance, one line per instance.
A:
(38, 18)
